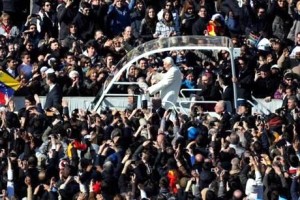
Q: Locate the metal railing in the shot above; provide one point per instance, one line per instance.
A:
(188, 90)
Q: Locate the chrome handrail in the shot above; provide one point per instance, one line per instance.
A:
(189, 90)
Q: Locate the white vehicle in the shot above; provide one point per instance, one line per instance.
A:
(107, 98)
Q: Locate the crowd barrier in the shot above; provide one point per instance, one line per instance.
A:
(85, 102)
(74, 102)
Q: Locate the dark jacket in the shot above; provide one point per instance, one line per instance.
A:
(199, 26)
(54, 97)
(119, 18)
(187, 26)
(264, 87)
(147, 30)
(86, 26)
(244, 84)
(136, 21)
(281, 21)
(65, 17)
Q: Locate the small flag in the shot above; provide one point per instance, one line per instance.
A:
(8, 85)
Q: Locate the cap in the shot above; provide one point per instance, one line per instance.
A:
(43, 69)
(264, 68)
(264, 45)
(192, 133)
(275, 67)
(242, 102)
(51, 61)
(49, 71)
(13, 154)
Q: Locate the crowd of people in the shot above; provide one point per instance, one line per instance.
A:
(71, 48)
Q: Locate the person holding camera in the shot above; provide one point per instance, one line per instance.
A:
(118, 15)
(31, 33)
(66, 11)
(46, 20)
(264, 85)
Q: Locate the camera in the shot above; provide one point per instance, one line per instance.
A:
(102, 39)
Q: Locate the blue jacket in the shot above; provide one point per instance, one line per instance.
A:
(119, 18)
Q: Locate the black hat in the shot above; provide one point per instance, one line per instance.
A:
(264, 68)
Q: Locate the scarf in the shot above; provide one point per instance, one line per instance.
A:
(6, 28)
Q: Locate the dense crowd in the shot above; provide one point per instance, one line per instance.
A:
(71, 48)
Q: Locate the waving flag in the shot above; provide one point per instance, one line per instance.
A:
(8, 85)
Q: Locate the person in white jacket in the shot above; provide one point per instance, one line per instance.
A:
(170, 84)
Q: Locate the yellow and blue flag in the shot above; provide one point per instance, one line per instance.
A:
(8, 85)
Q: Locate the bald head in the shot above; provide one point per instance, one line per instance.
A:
(237, 195)
(160, 139)
(199, 157)
(220, 107)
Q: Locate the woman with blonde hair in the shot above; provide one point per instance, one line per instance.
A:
(7, 28)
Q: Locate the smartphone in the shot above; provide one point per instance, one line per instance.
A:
(144, 104)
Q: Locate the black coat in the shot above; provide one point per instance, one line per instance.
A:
(54, 97)
(245, 83)
(136, 21)
(264, 87)
(199, 26)
(187, 27)
(86, 25)
(147, 30)
(65, 17)
(227, 94)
